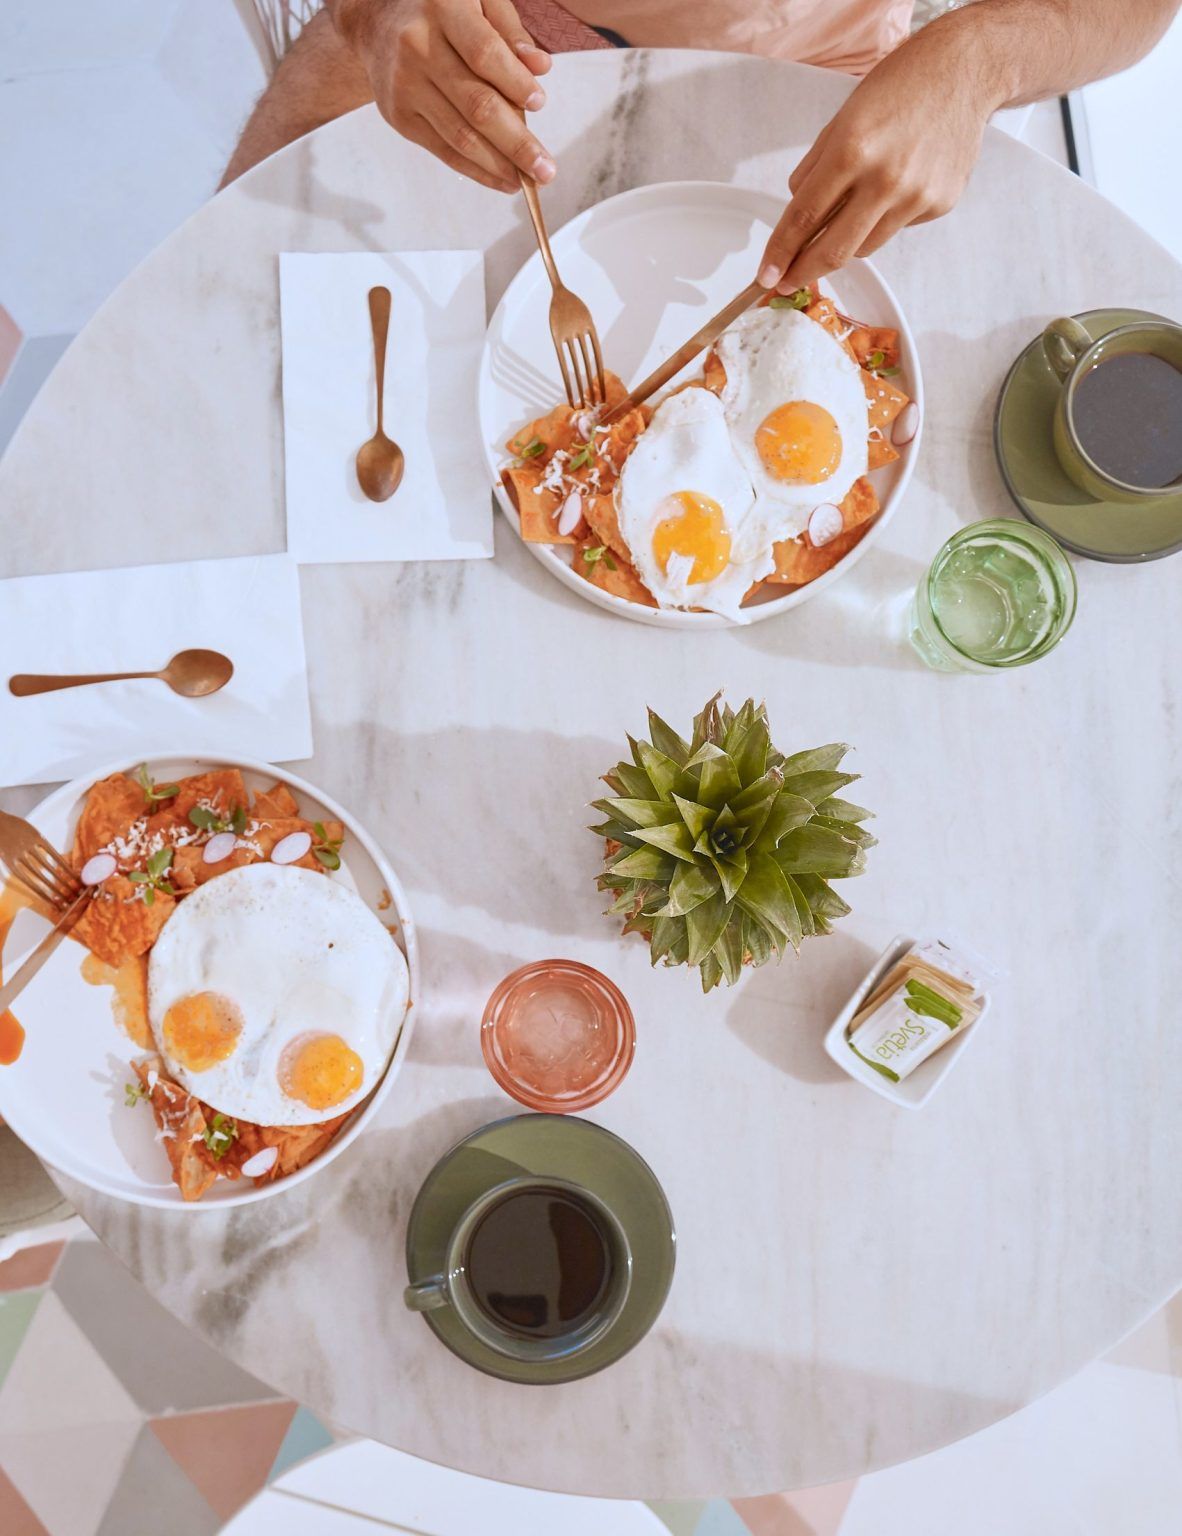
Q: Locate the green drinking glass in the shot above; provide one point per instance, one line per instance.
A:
(999, 594)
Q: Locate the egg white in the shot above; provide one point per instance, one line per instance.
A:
(686, 447)
(298, 953)
(771, 357)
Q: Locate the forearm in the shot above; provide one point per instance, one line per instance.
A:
(1018, 51)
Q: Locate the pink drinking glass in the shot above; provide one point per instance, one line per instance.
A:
(558, 1036)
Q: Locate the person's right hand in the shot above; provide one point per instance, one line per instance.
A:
(454, 76)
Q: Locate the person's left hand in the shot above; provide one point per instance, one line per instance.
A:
(899, 152)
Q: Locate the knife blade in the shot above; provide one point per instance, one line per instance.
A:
(33, 963)
(698, 342)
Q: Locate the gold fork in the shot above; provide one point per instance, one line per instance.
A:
(36, 865)
(571, 325)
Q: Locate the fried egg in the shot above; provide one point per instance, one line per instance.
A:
(275, 995)
(685, 508)
(797, 414)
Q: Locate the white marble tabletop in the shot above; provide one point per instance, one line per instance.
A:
(856, 1284)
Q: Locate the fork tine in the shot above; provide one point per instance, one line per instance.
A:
(66, 870)
(570, 394)
(66, 884)
(600, 378)
(592, 395)
(580, 386)
(22, 874)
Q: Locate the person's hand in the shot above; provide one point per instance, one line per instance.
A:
(454, 76)
(899, 152)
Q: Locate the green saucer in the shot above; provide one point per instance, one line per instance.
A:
(1103, 530)
(559, 1147)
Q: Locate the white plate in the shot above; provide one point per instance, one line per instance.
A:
(64, 1096)
(653, 265)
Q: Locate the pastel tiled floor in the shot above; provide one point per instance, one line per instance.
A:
(112, 1414)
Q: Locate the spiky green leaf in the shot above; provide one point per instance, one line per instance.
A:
(818, 851)
(628, 779)
(729, 949)
(767, 896)
(666, 740)
(674, 838)
(848, 829)
(719, 777)
(815, 758)
(692, 884)
(696, 817)
(844, 810)
(710, 971)
(818, 786)
(731, 873)
(788, 811)
(804, 912)
(704, 924)
(821, 897)
(644, 864)
(637, 813)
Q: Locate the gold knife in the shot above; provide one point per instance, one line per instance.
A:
(698, 342)
(17, 983)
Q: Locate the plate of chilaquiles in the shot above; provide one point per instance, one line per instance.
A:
(756, 478)
(236, 999)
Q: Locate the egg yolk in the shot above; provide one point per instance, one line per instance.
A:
(799, 441)
(696, 528)
(320, 1070)
(202, 1029)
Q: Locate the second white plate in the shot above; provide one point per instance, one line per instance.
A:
(653, 265)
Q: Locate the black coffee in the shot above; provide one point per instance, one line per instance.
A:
(539, 1263)
(1128, 417)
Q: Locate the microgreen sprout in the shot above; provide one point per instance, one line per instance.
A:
(800, 299)
(532, 449)
(220, 1136)
(583, 454)
(133, 1093)
(326, 850)
(209, 821)
(152, 879)
(600, 552)
(154, 792)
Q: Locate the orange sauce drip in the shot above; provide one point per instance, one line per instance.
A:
(129, 995)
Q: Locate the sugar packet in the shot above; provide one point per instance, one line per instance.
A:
(929, 995)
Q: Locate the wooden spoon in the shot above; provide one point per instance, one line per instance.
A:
(379, 462)
(190, 673)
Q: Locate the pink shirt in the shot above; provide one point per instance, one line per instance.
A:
(840, 34)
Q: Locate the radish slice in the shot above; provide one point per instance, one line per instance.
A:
(290, 848)
(570, 512)
(585, 424)
(906, 425)
(825, 523)
(220, 846)
(101, 867)
(262, 1162)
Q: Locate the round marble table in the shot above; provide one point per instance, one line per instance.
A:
(856, 1284)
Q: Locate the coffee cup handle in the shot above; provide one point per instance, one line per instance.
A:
(1065, 341)
(426, 1295)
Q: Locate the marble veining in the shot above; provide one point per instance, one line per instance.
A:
(855, 1285)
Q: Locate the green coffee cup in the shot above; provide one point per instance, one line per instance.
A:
(1074, 354)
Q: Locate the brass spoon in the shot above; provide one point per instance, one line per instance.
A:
(379, 462)
(190, 673)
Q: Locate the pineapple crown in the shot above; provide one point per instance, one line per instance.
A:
(720, 849)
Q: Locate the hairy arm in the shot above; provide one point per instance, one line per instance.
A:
(902, 147)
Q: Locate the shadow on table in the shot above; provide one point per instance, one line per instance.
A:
(527, 792)
(782, 1012)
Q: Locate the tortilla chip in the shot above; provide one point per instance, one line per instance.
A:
(799, 561)
(112, 806)
(622, 581)
(537, 508)
(221, 788)
(885, 401)
(859, 505)
(276, 801)
(182, 1126)
(714, 372)
(866, 340)
(880, 452)
(824, 312)
(604, 526)
(119, 922)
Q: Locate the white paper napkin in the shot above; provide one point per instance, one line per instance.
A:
(443, 508)
(135, 621)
